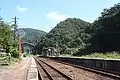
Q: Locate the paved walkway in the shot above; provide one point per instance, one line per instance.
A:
(16, 71)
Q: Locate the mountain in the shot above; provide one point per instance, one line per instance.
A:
(66, 32)
(33, 35)
(103, 35)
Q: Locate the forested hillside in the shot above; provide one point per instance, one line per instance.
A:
(33, 35)
(106, 32)
(75, 36)
(66, 35)
(107, 29)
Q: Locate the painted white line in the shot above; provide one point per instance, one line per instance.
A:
(26, 63)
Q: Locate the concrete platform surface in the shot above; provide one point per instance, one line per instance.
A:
(15, 72)
(32, 71)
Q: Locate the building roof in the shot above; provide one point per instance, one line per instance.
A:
(31, 44)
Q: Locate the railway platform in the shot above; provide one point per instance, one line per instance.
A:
(32, 73)
(25, 70)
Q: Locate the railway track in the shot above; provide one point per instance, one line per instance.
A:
(116, 77)
(47, 72)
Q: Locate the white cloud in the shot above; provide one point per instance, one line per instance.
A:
(21, 9)
(56, 16)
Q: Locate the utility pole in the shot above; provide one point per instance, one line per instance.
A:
(15, 25)
(19, 47)
(18, 35)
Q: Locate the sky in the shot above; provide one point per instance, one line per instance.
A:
(46, 14)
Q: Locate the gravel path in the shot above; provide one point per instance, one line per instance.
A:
(75, 73)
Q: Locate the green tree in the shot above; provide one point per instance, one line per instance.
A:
(6, 38)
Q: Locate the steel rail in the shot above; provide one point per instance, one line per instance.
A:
(61, 73)
(89, 69)
(48, 74)
(39, 74)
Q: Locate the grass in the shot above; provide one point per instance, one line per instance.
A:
(7, 61)
(108, 55)
(65, 55)
(111, 55)
(13, 60)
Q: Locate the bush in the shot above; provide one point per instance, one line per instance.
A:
(14, 52)
(67, 51)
